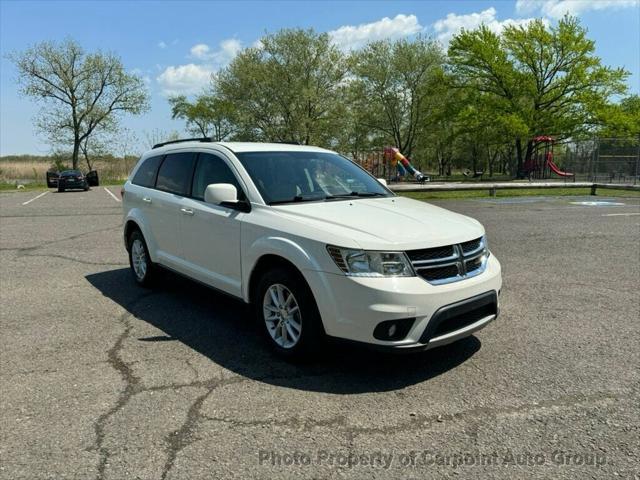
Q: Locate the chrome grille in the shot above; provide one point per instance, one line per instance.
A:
(472, 246)
(439, 273)
(431, 253)
(450, 263)
(474, 264)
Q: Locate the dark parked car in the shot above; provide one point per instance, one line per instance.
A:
(72, 179)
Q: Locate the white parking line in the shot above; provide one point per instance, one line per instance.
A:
(619, 214)
(35, 198)
(111, 193)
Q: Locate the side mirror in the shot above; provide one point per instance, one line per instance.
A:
(218, 193)
(382, 181)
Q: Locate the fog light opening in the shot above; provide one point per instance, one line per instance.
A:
(393, 329)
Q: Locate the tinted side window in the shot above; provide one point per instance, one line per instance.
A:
(212, 169)
(175, 173)
(146, 174)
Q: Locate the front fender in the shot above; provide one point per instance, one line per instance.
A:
(135, 215)
(286, 248)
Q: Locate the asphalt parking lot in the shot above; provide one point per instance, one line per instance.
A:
(103, 379)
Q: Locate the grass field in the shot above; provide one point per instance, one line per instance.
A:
(32, 173)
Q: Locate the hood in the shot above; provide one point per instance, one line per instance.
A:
(397, 223)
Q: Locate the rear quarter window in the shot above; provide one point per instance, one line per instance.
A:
(146, 174)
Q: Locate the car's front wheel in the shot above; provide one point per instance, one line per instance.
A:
(287, 313)
(141, 265)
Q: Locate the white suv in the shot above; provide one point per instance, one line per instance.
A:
(315, 243)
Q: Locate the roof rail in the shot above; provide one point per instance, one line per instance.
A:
(201, 139)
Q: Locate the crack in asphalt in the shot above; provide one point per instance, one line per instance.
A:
(27, 251)
(181, 438)
(76, 260)
(131, 381)
(296, 422)
(53, 370)
(193, 369)
(24, 250)
(419, 422)
(177, 440)
(482, 413)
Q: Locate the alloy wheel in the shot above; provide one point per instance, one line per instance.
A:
(139, 258)
(282, 315)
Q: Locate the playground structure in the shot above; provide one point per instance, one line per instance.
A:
(402, 164)
(541, 164)
(604, 160)
(374, 162)
(389, 164)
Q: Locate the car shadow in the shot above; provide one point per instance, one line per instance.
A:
(221, 328)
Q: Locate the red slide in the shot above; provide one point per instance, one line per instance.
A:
(556, 170)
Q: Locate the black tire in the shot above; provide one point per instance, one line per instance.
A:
(86, 189)
(150, 271)
(60, 189)
(311, 335)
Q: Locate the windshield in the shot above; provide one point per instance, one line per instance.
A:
(70, 173)
(283, 177)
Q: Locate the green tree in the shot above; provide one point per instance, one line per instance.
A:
(545, 78)
(397, 87)
(207, 116)
(288, 89)
(79, 91)
(621, 119)
(96, 145)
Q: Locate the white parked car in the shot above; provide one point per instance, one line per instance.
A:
(315, 243)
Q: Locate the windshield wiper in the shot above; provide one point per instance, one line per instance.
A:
(316, 198)
(357, 194)
(299, 198)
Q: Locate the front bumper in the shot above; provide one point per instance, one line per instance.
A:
(352, 307)
(72, 184)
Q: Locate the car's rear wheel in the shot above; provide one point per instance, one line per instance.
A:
(60, 189)
(143, 268)
(287, 314)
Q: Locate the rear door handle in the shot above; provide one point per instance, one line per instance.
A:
(187, 211)
(146, 199)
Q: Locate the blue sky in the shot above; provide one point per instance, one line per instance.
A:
(175, 45)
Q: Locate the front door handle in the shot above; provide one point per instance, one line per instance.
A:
(146, 199)
(187, 211)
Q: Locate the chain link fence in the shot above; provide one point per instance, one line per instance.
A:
(604, 160)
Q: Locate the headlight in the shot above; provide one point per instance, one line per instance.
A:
(361, 263)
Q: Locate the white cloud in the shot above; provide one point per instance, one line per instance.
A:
(351, 37)
(447, 27)
(185, 79)
(201, 50)
(227, 50)
(192, 78)
(556, 9)
(161, 44)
